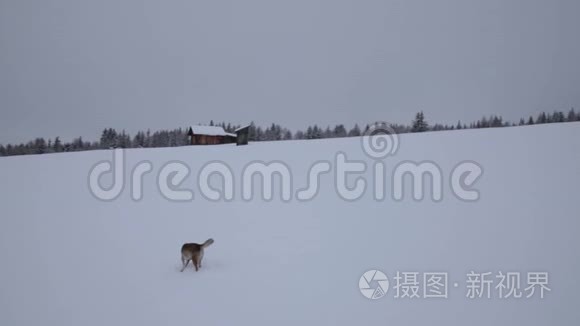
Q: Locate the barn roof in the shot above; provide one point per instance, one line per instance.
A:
(210, 131)
(240, 128)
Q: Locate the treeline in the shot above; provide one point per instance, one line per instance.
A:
(111, 138)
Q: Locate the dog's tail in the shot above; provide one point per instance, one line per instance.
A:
(207, 243)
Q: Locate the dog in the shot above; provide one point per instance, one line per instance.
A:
(193, 252)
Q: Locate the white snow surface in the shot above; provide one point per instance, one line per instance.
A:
(67, 258)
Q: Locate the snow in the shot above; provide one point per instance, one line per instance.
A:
(242, 127)
(67, 258)
(210, 131)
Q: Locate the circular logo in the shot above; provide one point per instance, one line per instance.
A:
(373, 284)
(380, 140)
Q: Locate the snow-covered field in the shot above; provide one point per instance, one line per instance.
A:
(67, 258)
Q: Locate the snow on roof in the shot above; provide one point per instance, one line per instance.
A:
(210, 131)
(240, 128)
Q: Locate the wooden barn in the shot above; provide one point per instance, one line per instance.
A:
(242, 135)
(209, 135)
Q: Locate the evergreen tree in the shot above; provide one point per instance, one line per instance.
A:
(531, 120)
(276, 132)
(109, 138)
(287, 135)
(139, 139)
(542, 118)
(259, 134)
(252, 132)
(419, 124)
(309, 133)
(355, 131)
(484, 123)
(496, 121)
(77, 144)
(39, 146)
(123, 140)
(327, 133)
(558, 116)
(316, 132)
(571, 115)
(340, 131)
(299, 135)
(57, 146)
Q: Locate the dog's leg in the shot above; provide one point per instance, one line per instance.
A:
(195, 264)
(185, 262)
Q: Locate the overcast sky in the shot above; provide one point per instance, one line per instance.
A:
(70, 67)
